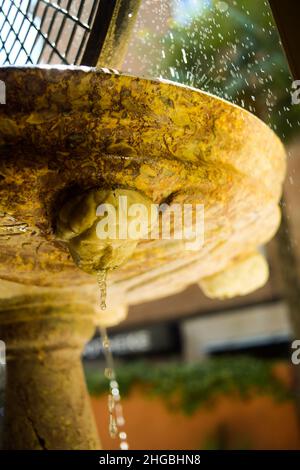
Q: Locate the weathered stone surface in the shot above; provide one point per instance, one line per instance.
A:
(46, 400)
(65, 131)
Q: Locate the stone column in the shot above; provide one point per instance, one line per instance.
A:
(46, 400)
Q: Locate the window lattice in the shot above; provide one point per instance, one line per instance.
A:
(45, 31)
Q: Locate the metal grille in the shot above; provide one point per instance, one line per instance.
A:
(45, 31)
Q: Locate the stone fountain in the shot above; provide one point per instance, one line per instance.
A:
(70, 134)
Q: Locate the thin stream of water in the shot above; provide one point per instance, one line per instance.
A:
(115, 409)
(101, 279)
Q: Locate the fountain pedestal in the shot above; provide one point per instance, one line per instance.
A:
(46, 404)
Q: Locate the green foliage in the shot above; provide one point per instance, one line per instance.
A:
(188, 386)
(235, 55)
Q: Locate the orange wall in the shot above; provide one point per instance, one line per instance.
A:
(258, 423)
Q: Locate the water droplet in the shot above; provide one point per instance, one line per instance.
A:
(115, 392)
(124, 445)
(108, 372)
(111, 403)
(105, 342)
(113, 429)
(222, 6)
(120, 421)
(114, 384)
(184, 55)
(101, 279)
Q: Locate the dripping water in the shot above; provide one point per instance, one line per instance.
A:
(116, 417)
(101, 278)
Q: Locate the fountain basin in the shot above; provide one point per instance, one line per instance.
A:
(65, 131)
